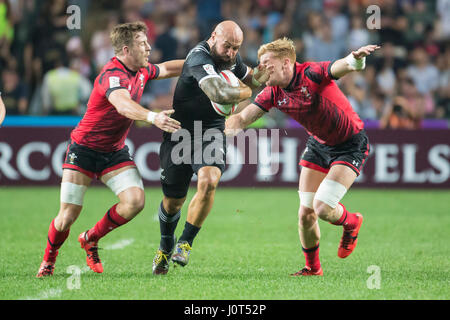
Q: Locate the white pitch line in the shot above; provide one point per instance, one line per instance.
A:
(46, 294)
(56, 292)
(119, 245)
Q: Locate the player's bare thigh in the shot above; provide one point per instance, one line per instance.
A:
(342, 178)
(310, 180)
(126, 183)
(342, 174)
(308, 184)
(73, 187)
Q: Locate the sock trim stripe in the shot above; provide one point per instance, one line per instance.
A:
(54, 244)
(311, 249)
(111, 219)
(168, 218)
(345, 218)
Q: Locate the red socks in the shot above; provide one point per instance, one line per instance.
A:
(109, 222)
(348, 220)
(56, 238)
(312, 257)
(54, 242)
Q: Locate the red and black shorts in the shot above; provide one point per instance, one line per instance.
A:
(94, 163)
(352, 153)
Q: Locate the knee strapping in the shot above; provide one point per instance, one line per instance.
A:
(330, 192)
(306, 199)
(124, 180)
(72, 193)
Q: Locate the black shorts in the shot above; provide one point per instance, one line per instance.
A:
(352, 153)
(95, 163)
(179, 164)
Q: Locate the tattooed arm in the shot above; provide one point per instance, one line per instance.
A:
(221, 92)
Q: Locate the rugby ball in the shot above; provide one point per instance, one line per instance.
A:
(226, 109)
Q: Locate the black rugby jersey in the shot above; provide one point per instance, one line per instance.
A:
(190, 102)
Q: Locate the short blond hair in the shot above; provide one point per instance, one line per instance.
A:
(281, 48)
(123, 35)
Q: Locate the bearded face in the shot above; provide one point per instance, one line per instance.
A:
(224, 55)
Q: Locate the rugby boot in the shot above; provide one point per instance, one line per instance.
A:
(349, 239)
(92, 258)
(306, 271)
(182, 252)
(46, 269)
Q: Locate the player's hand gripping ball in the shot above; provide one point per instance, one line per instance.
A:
(226, 109)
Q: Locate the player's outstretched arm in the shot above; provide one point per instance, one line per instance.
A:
(221, 92)
(170, 69)
(235, 123)
(355, 61)
(125, 106)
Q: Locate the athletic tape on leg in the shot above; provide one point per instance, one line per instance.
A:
(306, 199)
(72, 193)
(330, 192)
(124, 180)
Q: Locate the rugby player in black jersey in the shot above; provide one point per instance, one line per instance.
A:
(198, 85)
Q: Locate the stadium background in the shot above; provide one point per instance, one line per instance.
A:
(48, 69)
(403, 96)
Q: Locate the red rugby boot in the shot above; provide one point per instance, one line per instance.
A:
(306, 271)
(91, 248)
(46, 269)
(349, 239)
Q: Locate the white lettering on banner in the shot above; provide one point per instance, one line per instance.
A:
(392, 163)
(270, 158)
(385, 159)
(289, 159)
(6, 154)
(58, 158)
(141, 160)
(409, 165)
(234, 167)
(252, 151)
(23, 161)
(438, 156)
(266, 167)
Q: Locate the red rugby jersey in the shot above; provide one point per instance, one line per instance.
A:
(102, 128)
(315, 101)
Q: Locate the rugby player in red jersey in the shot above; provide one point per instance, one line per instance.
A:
(336, 149)
(97, 148)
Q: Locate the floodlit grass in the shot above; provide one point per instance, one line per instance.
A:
(246, 249)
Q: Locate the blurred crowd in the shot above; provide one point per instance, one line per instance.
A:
(48, 68)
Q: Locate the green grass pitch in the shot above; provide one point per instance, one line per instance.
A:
(246, 249)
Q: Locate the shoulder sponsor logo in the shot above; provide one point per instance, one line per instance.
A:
(114, 82)
(209, 69)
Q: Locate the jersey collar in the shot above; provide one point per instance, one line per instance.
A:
(126, 68)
